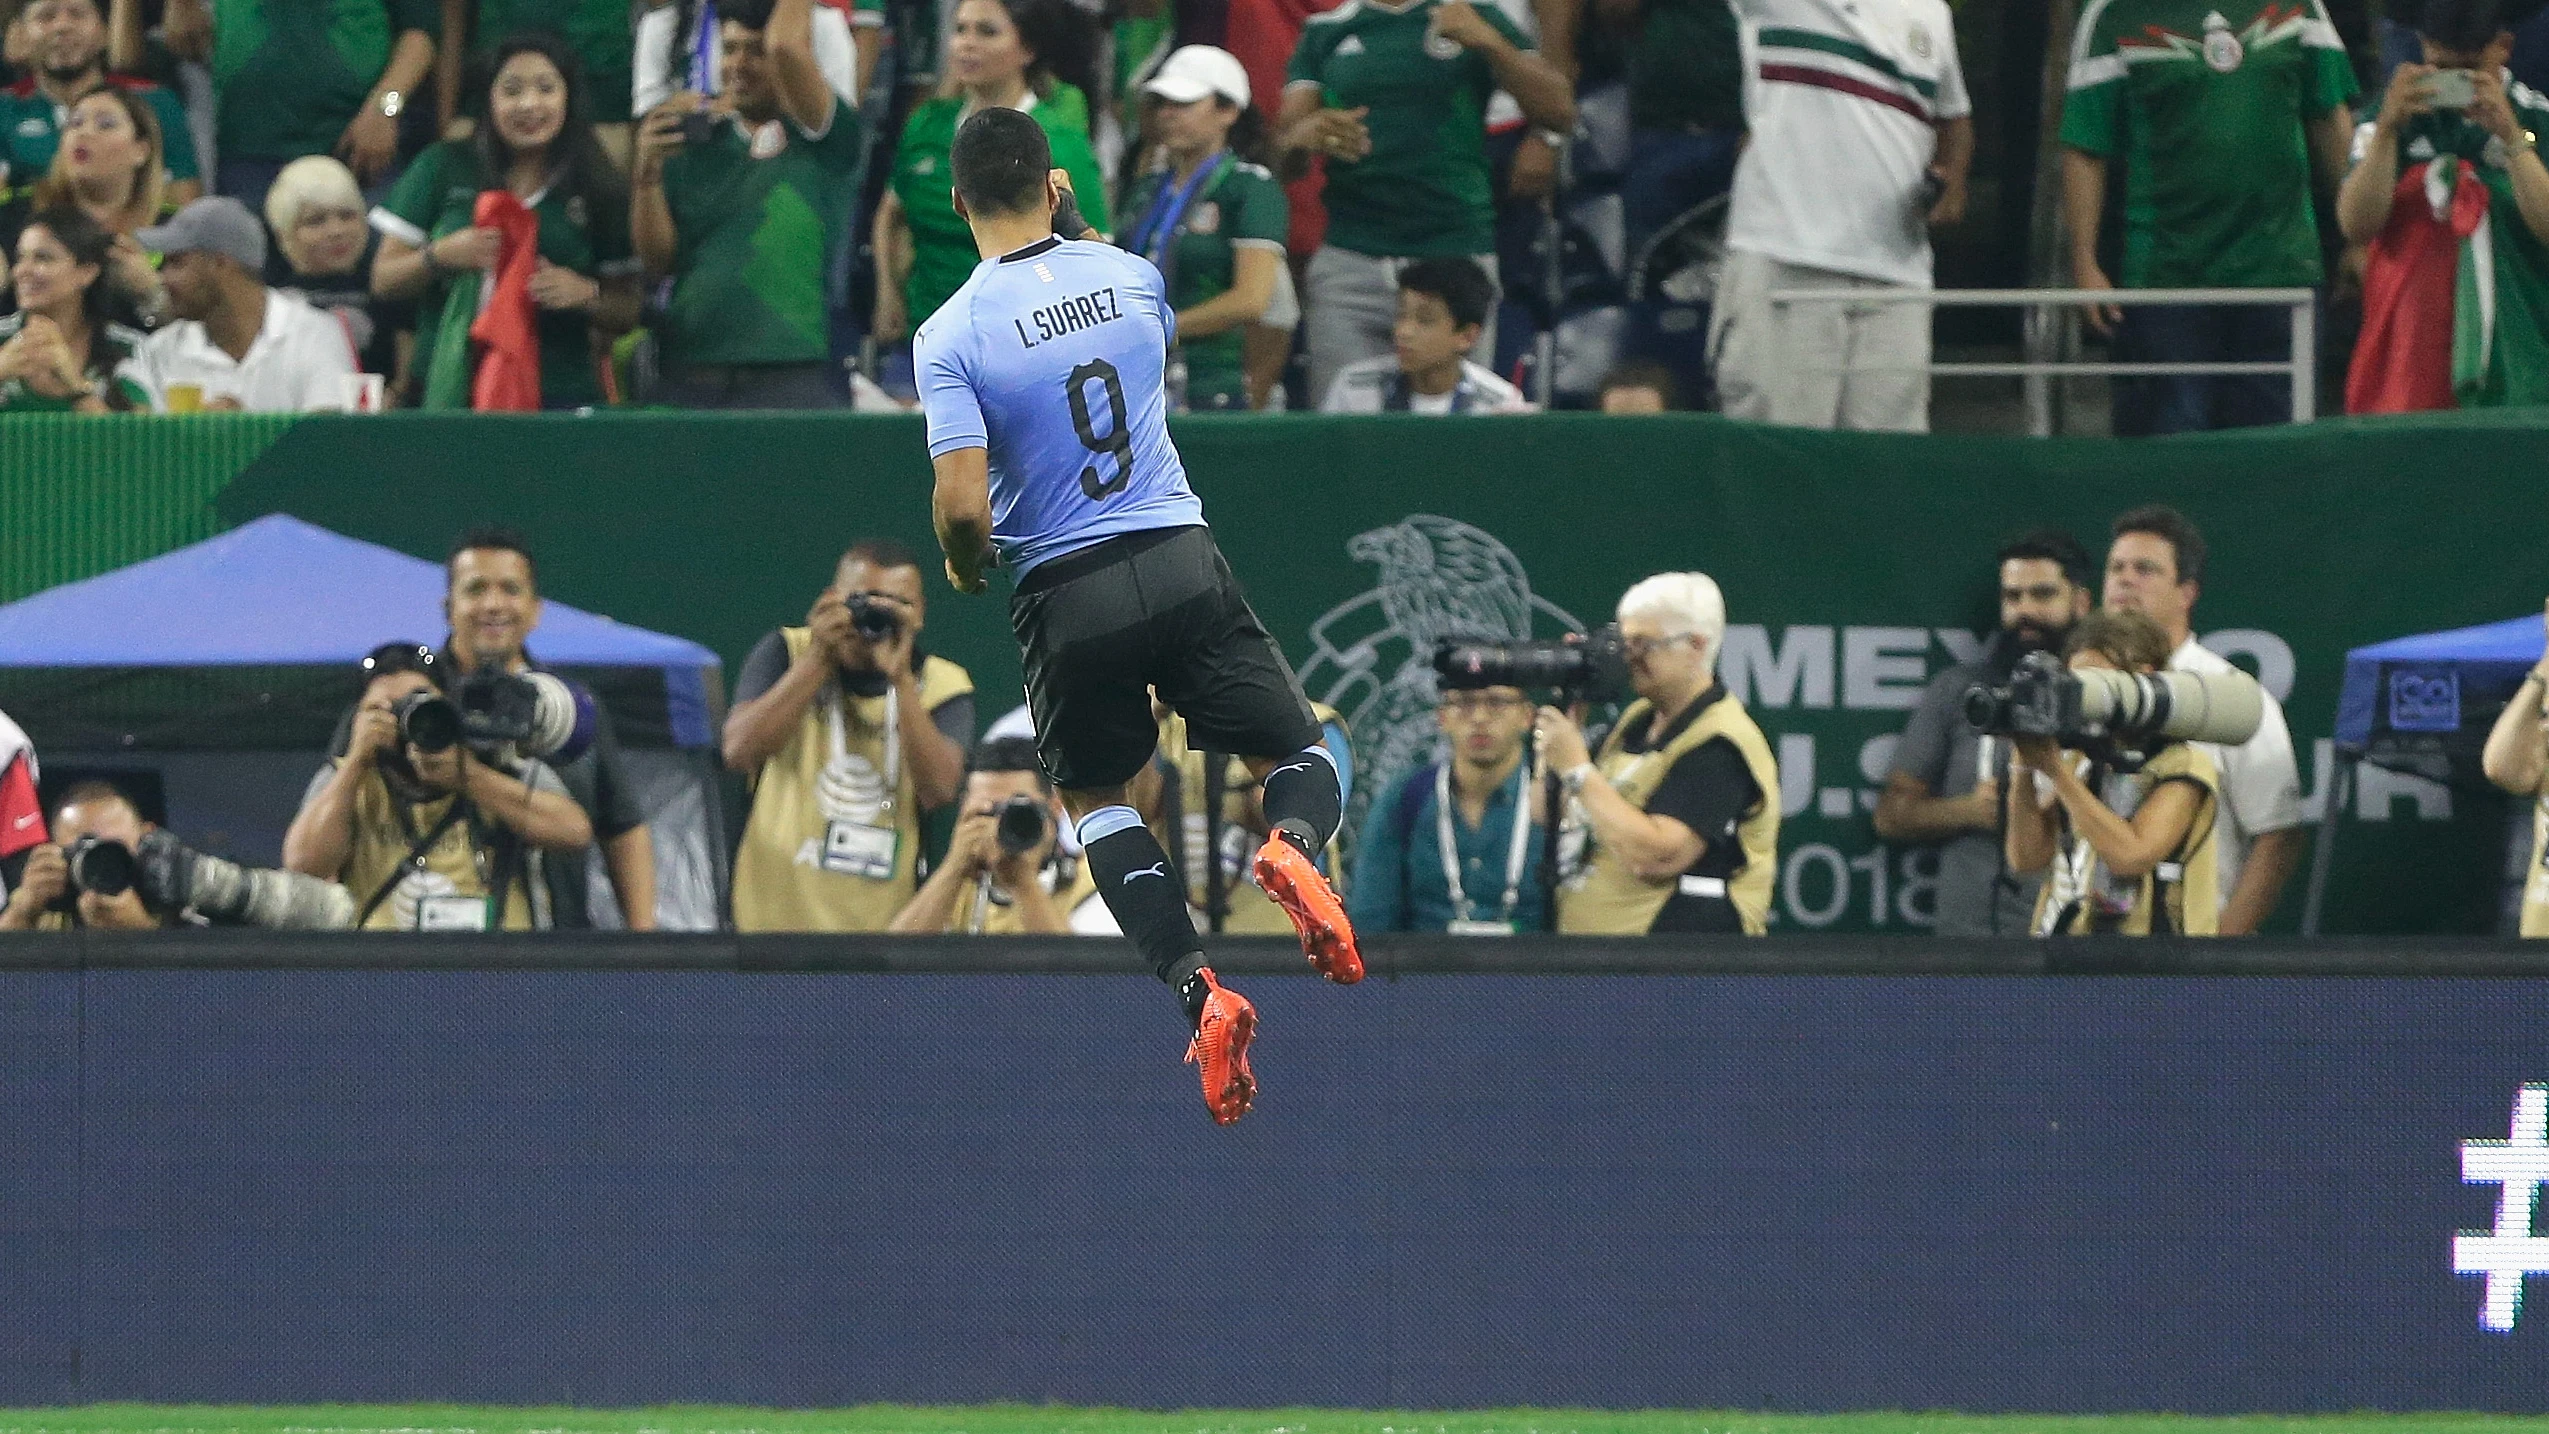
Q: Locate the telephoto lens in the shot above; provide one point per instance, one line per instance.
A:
(1022, 825)
(101, 867)
(427, 721)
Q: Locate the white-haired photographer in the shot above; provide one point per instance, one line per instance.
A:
(1674, 824)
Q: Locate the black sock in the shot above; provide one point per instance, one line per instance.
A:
(1134, 878)
(1304, 801)
(1187, 976)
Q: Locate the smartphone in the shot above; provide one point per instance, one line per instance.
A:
(698, 127)
(2451, 89)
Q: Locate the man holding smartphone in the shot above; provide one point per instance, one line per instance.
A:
(740, 200)
(2448, 174)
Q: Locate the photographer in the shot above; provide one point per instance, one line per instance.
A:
(114, 871)
(2130, 843)
(1455, 845)
(848, 731)
(492, 600)
(2156, 568)
(2516, 757)
(1003, 875)
(1681, 806)
(1945, 786)
(48, 899)
(428, 835)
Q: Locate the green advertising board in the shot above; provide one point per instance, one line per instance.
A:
(1854, 566)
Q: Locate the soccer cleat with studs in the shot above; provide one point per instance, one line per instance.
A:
(1219, 1051)
(1327, 938)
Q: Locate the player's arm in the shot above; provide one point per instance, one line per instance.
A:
(960, 508)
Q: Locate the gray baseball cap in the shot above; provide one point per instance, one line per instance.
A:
(212, 225)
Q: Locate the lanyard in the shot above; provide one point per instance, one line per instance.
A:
(704, 40)
(893, 740)
(1168, 210)
(1451, 855)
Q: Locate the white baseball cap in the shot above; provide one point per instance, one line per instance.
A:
(1195, 71)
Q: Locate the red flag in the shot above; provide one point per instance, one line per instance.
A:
(508, 377)
(2411, 274)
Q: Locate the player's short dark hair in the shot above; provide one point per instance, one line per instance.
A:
(2461, 25)
(491, 537)
(2172, 527)
(880, 553)
(1455, 279)
(1643, 373)
(1000, 160)
(1009, 754)
(750, 14)
(2051, 545)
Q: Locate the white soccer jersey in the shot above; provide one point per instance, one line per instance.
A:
(1842, 98)
(2261, 779)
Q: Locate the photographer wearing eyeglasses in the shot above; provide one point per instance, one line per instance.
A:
(848, 731)
(1455, 845)
(1005, 872)
(1674, 825)
(428, 834)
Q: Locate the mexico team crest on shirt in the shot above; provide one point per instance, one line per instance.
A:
(1204, 218)
(2222, 49)
(770, 140)
(1917, 41)
(1441, 46)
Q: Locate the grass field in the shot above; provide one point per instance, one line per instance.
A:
(1056, 1419)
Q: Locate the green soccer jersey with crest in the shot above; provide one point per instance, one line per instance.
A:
(288, 74)
(2206, 102)
(1424, 190)
(758, 210)
(1238, 206)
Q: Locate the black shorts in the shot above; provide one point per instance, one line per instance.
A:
(1100, 627)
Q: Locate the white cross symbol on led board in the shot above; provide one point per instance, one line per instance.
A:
(2507, 1253)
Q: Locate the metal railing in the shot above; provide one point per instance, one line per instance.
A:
(2042, 337)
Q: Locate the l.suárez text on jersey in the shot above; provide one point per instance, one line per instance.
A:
(1081, 311)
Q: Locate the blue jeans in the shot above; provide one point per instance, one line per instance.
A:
(1670, 174)
(2224, 333)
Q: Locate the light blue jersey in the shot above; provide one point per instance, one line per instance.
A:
(1054, 358)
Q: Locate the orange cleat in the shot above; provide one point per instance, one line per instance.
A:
(1296, 886)
(1220, 1051)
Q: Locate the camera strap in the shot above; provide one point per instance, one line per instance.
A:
(417, 847)
(840, 741)
(1518, 850)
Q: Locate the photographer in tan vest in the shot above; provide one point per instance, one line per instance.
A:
(1674, 824)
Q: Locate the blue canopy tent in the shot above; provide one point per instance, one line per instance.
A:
(2421, 705)
(246, 643)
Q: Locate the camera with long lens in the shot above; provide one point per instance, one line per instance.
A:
(1593, 667)
(99, 867)
(1022, 825)
(537, 713)
(2045, 698)
(427, 721)
(873, 617)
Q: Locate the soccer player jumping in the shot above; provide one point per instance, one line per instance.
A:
(1042, 379)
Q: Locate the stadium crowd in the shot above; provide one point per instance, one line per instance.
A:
(1360, 206)
(878, 801)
